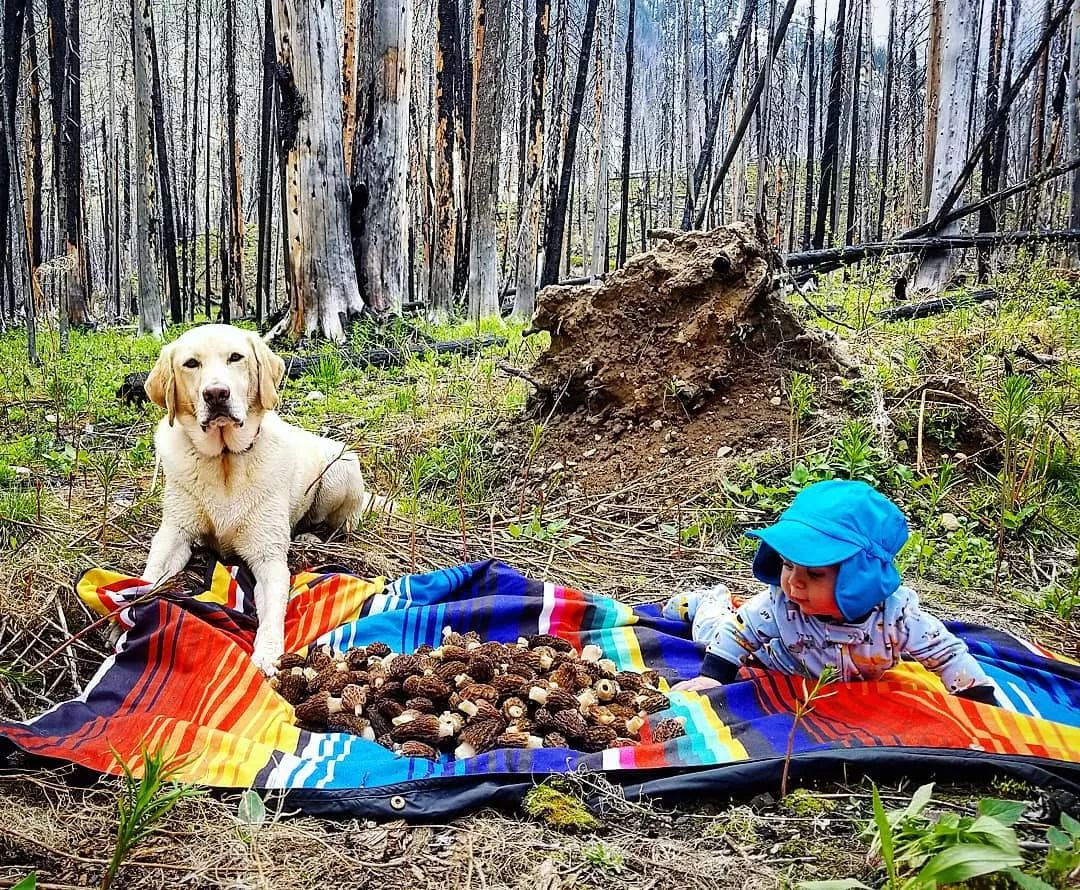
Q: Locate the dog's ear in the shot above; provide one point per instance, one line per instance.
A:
(160, 383)
(270, 371)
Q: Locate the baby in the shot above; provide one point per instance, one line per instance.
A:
(834, 599)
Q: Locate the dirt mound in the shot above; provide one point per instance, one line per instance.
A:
(688, 336)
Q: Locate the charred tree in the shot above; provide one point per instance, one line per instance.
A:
(147, 224)
(628, 116)
(556, 219)
(14, 17)
(266, 202)
(529, 229)
(232, 294)
(830, 145)
(382, 158)
(168, 217)
(489, 46)
(324, 292)
(447, 123)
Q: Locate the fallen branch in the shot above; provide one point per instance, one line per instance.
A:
(926, 308)
(843, 256)
(133, 391)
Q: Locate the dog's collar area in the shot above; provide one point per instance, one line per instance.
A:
(225, 449)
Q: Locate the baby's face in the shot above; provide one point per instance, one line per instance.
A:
(812, 589)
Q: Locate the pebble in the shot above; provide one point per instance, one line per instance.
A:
(589, 453)
(658, 425)
(775, 401)
(949, 522)
(315, 396)
(724, 450)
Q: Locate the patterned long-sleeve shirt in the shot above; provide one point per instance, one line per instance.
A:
(775, 633)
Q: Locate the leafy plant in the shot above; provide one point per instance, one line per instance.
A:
(921, 853)
(854, 454)
(1061, 867)
(603, 857)
(537, 530)
(143, 803)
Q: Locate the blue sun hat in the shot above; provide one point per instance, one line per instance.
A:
(838, 522)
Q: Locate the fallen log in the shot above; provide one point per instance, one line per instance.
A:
(844, 256)
(133, 392)
(926, 308)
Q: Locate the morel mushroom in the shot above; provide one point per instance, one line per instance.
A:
(415, 748)
(317, 708)
(423, 728)
(671, 728)
(291, 685)
(289, 660)
(570, 723)
(651, 702)
(550, 640)
(428, 687)
(354, 698)
(478, 737)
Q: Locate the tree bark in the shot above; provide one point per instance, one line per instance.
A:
(811, 127)
(447, 121)
(161, 152)
(885, 133)
(489, 45)
(830, 148)
(601, 77)
(959, 50)
(1073, 116)
(266, 198)
(529, 230)
(14, 17)
(232, 296)
(556, 220)
(628, 115)
(147, 224)
(324, 293)
(382, 161)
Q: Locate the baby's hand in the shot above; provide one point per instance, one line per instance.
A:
(696, 684)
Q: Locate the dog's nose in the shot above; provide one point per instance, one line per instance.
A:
(216, 394)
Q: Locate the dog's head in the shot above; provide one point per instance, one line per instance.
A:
(213, 379)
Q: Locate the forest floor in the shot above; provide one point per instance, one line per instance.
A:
(941, 413)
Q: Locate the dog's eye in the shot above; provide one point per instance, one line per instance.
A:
(235, 357)
(191, 363)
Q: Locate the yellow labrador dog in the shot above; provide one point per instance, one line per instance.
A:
(238, 477)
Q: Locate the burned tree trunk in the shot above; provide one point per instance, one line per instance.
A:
(14, 15)
(830, 146)
(489, 46)
(147, 237)
(447, 122)
(556, 220)
(959, 49)
(232, 295)
(263, 289)
(382, 160)
(168, 217)
(65, 81)
(324, 292)
(529, 230)
(628, 115)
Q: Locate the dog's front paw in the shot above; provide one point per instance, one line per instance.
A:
(265, 655)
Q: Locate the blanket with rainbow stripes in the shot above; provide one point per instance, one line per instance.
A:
(181, 682)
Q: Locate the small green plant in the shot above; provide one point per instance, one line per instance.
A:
(27, 883)
(603, 857)
(804, 704)
(549, 532)
(1012, 407)
(854, 455)
(327, 373)
(924, 853)
(1061, 867)
(143, 803)
(106, 466)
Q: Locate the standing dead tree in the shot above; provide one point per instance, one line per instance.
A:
(381, 158)
(323, 292)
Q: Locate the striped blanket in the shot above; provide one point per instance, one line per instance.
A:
(181, 682)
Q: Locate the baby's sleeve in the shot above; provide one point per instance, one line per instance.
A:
(738, 633)
(928, 641)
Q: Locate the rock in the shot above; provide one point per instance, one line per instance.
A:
(315, 396)
(776, 401)
(658, 425)
(589, 453)
(724, 450)
(949, 522)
